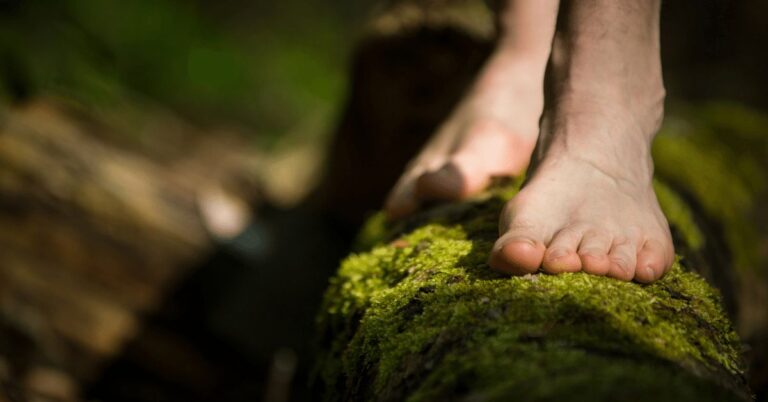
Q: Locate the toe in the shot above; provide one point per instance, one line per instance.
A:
(652, 261)
(487, 149)
(623, 258)
(402, 200)
(517, 255)
(560, 255)
(447, 183)
(520, 249)
(593, 252)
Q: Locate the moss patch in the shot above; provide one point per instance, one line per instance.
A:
(718, 154)
(418, 315)
(423, 318)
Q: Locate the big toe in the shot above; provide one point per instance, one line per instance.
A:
(488, 149)
(450, 182)
(517, 255)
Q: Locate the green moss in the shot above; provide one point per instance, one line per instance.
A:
(717, 153)
(679, 214)
(421, 317)
(434, 320)
(373, 231)
(276, 67)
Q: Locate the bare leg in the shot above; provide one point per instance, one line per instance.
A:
(589, 204)
(493, 131)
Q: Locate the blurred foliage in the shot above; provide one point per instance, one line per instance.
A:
(274, 67)
(278, 67)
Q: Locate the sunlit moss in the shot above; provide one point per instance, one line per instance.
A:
(430, 309)
(677, 211)
(422, 317)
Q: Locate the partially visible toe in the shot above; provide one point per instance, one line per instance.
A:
(593, 252)
(594, 262)
(623, 258)
(446, 183)
(560, 255)
(402, 200)
(486, 149)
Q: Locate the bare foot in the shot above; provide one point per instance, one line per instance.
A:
(581, 211)
(493, 130)
(589, 203)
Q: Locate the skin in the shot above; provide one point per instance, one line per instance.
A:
(588, 204)
(493, 130)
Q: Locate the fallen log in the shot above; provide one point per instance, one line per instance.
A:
(421, 317)
(417, 314)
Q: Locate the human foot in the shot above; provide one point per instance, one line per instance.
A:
(493, 130)
(589, 203)
(580, 212)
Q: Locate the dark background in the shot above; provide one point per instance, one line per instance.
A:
(236, 326)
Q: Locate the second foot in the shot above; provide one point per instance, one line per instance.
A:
(491, 133)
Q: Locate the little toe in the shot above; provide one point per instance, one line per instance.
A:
(593, 252)
(652, 261)
(561, 255)
(517, 255)
(623, 258)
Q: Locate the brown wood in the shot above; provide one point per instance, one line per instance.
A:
(92, 235)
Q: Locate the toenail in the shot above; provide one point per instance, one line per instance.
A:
(449, 174)
(623, 267)
(444, 183)
(650, 273)
(559, 253)
(591, 254)
(522, 240)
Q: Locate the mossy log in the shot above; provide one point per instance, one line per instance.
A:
(421, 317)
(417, 315)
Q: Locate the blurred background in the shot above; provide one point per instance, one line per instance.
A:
(169, 211)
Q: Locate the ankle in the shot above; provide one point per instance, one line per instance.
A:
(581, 74)
(513, 68)
(601, 132)
(617, 106)
(533, 55)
